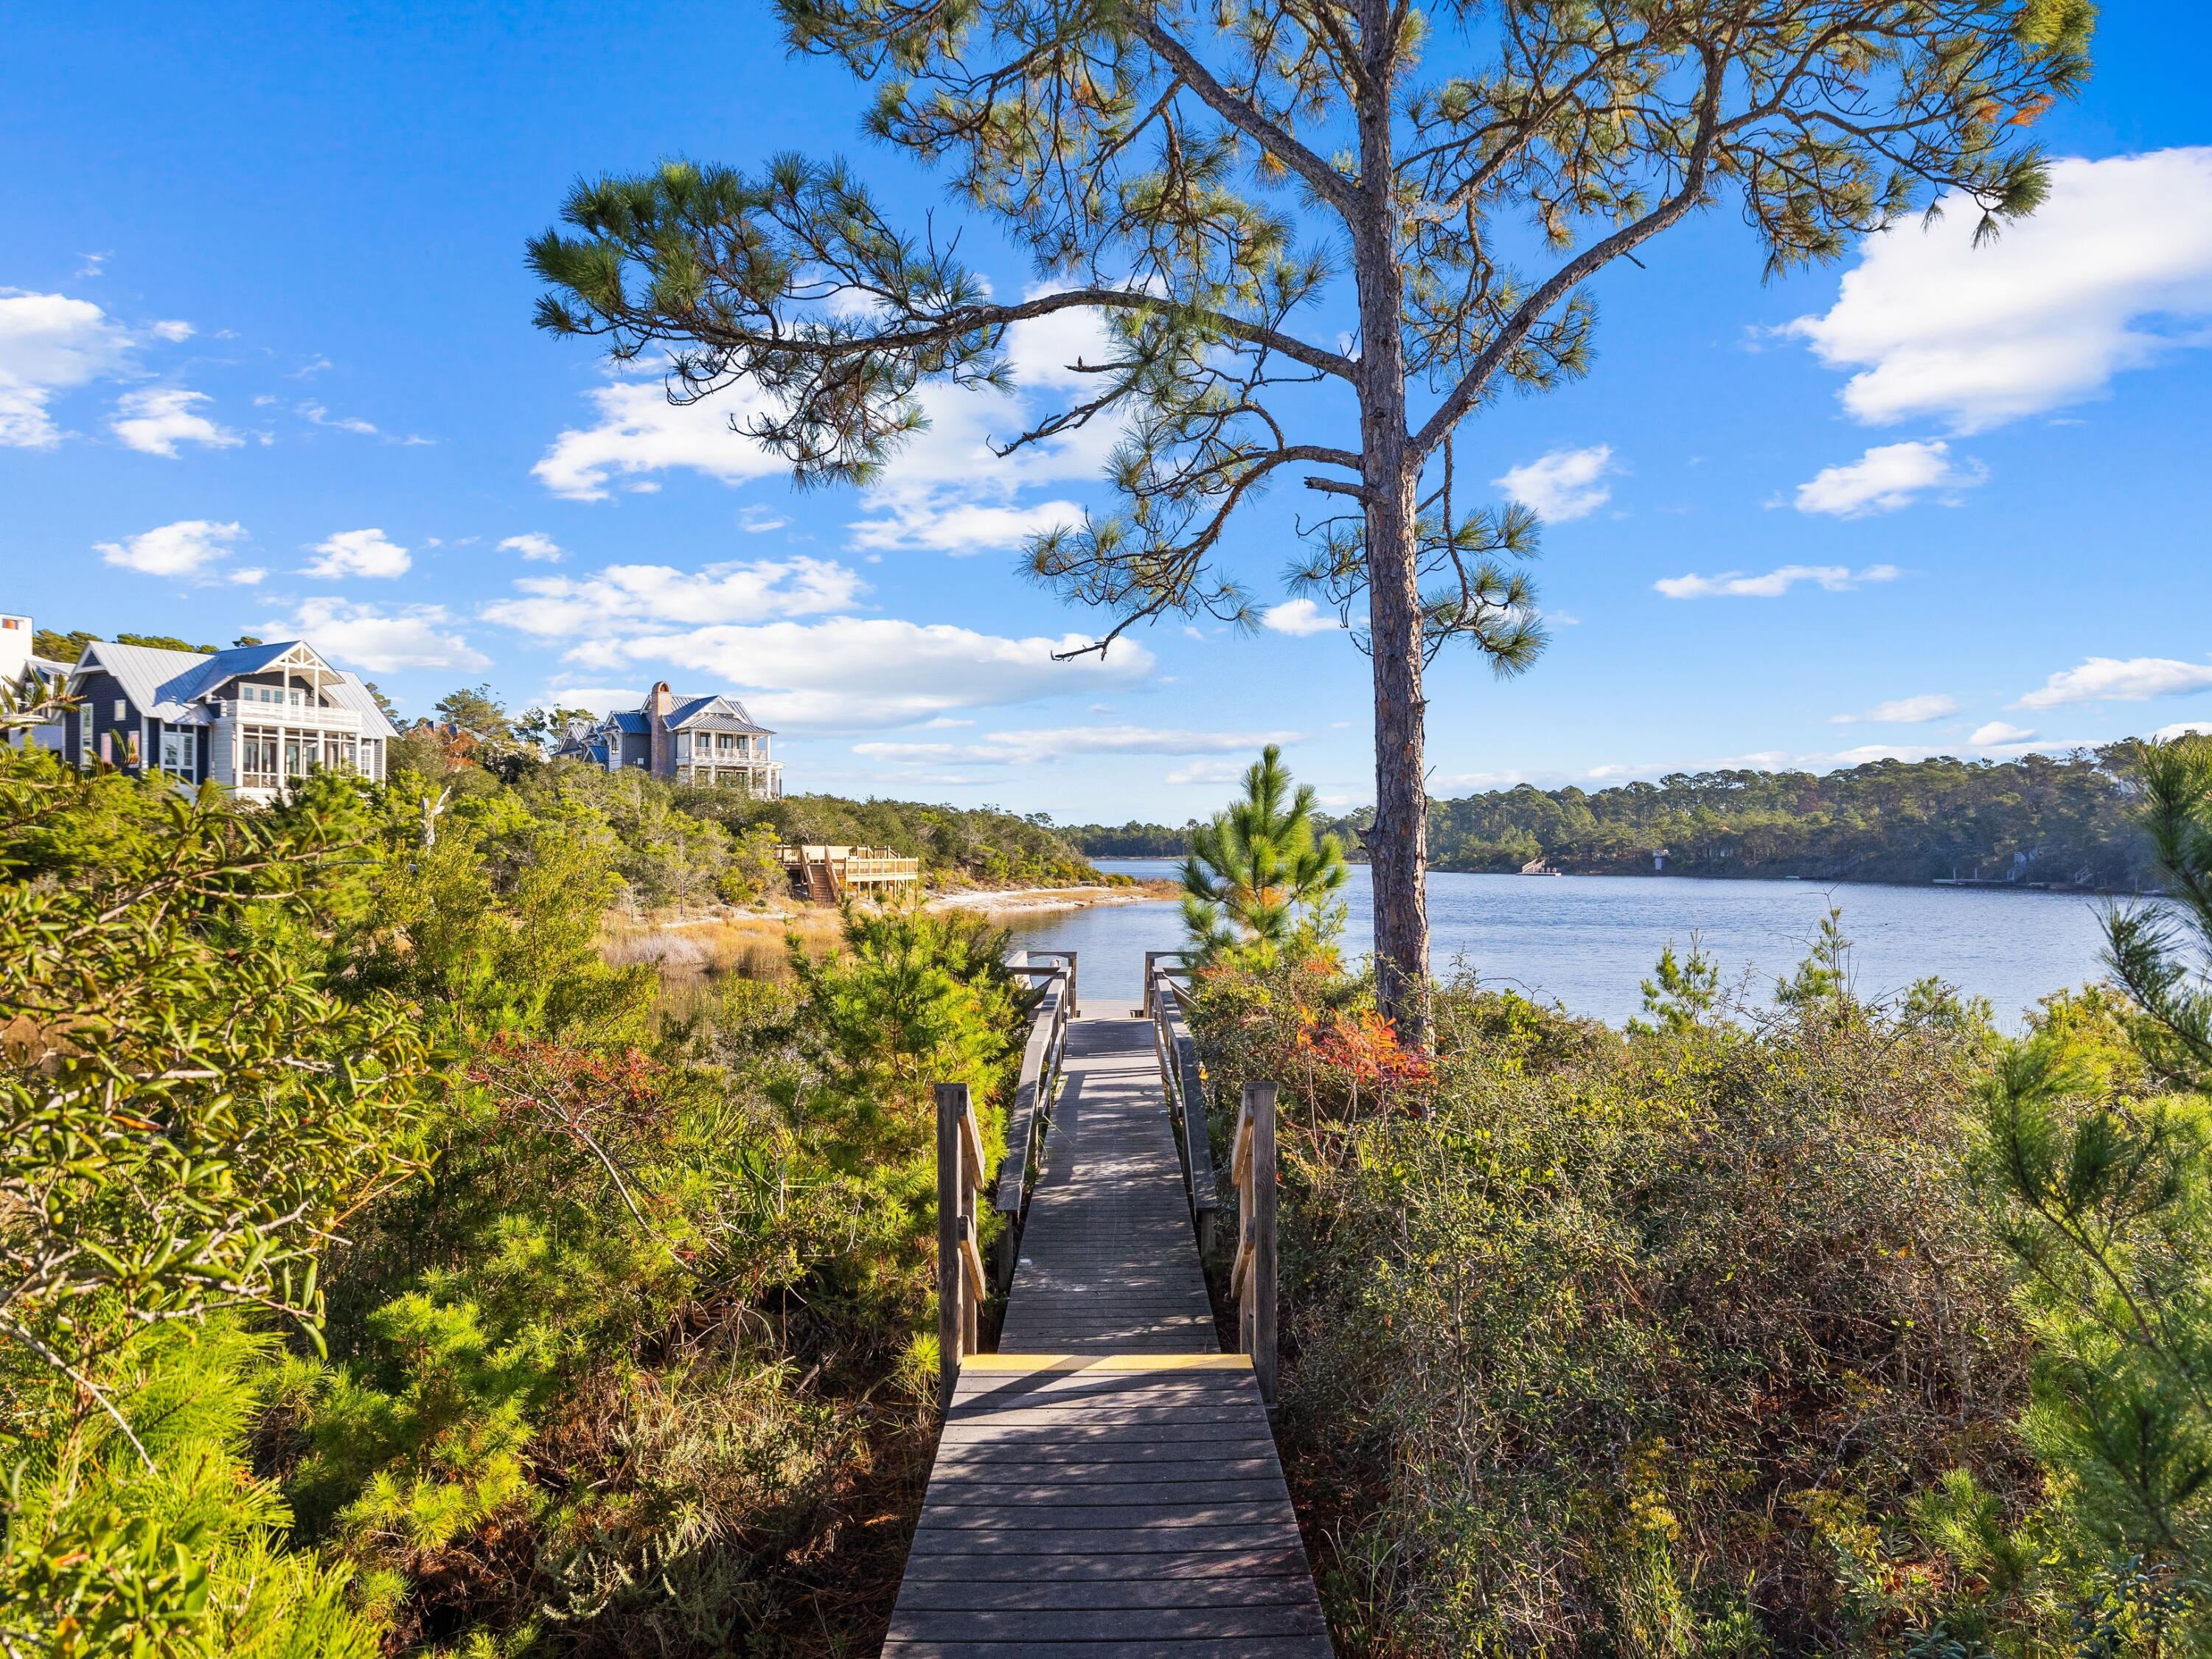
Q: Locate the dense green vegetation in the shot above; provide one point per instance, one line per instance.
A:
(2038, 818)
(389, 1273)
(1839, 1328)
(695, 844)
(383, 1274)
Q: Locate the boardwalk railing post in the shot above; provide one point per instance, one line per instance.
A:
(961, 1285)
(1252, 1274)
(951, 1326)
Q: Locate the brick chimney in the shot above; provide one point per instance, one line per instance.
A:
(658, 703)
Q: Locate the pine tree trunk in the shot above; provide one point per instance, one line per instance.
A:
(1398, 845)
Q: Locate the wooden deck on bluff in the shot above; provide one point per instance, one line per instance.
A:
(1106, 1485)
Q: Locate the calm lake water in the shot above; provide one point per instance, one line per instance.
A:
(1585, 942)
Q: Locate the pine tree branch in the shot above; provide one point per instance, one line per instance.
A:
(1476, 380)
(1245, 115)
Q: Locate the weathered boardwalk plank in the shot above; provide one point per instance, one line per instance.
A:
(1106, 1486)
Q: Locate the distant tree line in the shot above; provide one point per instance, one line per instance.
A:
(1132, 840)
(2040, 818)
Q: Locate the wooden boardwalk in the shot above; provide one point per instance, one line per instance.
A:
(1106, 1485)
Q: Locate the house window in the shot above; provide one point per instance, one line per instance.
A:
(295, 765)
(274, 695)
(122, 710)
(256, 759)
(178, 758)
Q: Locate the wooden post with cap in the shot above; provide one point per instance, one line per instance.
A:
(952, 1324)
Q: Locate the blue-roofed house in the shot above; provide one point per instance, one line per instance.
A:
(708, 740)
(254, 717)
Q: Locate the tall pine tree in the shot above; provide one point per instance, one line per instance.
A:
(1321, 234)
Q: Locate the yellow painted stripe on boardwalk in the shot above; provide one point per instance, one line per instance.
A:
(1107, 1362)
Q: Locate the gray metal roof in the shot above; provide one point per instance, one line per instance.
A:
(354, 695)
(164, 683)
(713, 714)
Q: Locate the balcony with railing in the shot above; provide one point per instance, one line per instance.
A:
(301, 716)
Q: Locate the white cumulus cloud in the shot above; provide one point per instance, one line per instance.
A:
(947, 489)
(2116, 679)
(638, 431)
(1886, 477)
(360, 553)
(2181, 729)
(1567, 483)
(844, 671)
(380, 642)
(939, 521)
(189, 547)
(1298, 617)
(49, 344)
(541, 548)
(624, 596)
(155, 422)
(2112, 272)
(1736, 585)
(944, 488)
(1905, 711)
(1998, 734)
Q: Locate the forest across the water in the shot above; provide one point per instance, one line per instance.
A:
(2041, 819)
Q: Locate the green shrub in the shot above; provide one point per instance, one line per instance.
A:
(1654, 1345)
(187, 1112)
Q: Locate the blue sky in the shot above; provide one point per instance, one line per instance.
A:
(266, 365)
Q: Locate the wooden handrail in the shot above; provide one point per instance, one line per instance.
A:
(1152, 958)
(1176, 1053)
(960, 1281)
(1252, 1274)
(963, 1282)
(1067, 957)
(1041, 1059)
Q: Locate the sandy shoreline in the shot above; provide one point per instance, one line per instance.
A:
(1027, 901)
(992, 901)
